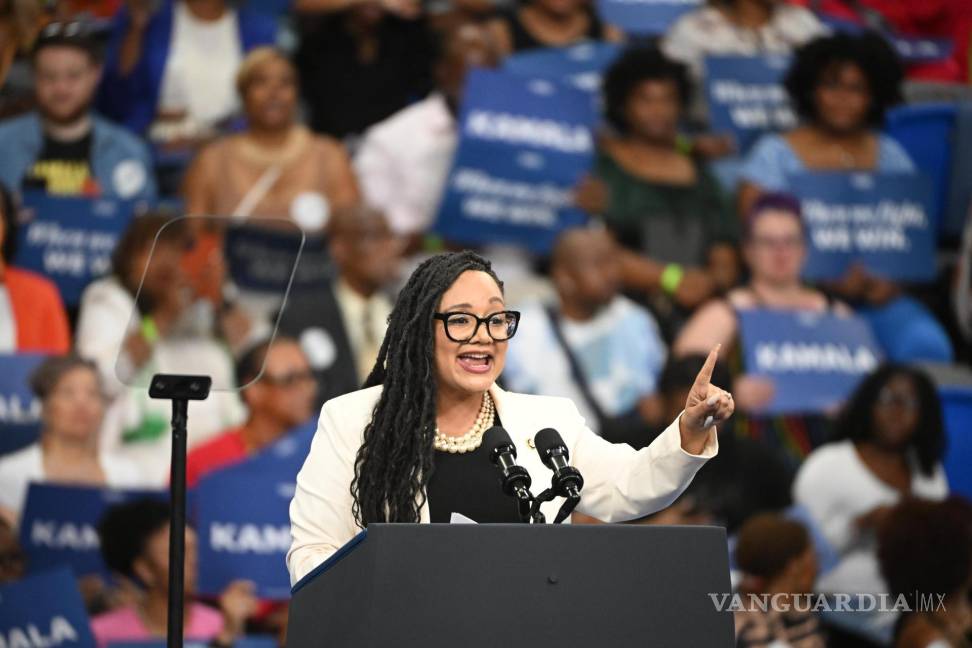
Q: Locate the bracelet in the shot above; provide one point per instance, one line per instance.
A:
(684, 144)
(149, 330)
(671, 277)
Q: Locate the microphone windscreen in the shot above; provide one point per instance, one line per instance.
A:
(496, 437)
(546, 440)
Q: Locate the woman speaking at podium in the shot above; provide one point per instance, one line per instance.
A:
(407, 447)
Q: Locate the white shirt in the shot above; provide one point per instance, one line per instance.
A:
(107, 312)
(620, 351)
(836, 488)
(8, 325)
(620, 483)
(365, 321)
(404, 161)
(709, 32)
(19, 469)
(200, 72)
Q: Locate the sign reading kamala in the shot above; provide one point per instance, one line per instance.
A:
(248, 537)
(814, 359)
(19, 407)
(646, 17)
(579, 65)
(60, 525)
(263, 259)
(746, 96)
(879, 220)
(524, 145)
(70, 240)
(44, 611)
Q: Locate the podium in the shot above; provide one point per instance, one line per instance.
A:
(507, 585)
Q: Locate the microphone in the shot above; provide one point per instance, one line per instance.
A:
(567, 480)
(514, 478)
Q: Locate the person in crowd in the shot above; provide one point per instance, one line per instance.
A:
(13, 560)
(340, 329)
(135, 545)
(20, 24)
(841, 87)
(32, 315)
(593, 345)
(276, 168)
(168, 329)
(403, 161)
(925, 553)
(64, 148)
(550, 23)
(962, 285)
(777, 560)
(278, 391)
(68, 451)
(948, 20)
(360, 61)
(888, 446)
(775, 252)
(739, 28)
(664, 206)
(745, 478)
(171, 65)
(408, 447)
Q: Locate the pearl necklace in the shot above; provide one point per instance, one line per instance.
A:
(474, 437)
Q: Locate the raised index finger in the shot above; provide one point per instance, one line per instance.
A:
(705, 374)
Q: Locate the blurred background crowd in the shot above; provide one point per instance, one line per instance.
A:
(340, 118)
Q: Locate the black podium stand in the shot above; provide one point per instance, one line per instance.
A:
(539, 586)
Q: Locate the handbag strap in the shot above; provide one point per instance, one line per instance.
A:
(575, 369)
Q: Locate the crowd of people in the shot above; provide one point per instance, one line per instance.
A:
(341, 118)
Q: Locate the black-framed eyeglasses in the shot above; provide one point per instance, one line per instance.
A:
(462, 327)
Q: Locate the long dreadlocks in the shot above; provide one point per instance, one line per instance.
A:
(394, 463)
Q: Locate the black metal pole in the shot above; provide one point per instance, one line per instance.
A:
(177, 523)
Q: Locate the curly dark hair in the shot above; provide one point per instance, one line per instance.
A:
(926, 548)
(125, 529)
(868, 51)
(395, 461)
(634, 66)
(8, 212)
(856, 421)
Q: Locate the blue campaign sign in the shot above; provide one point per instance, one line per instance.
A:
(264, 259)
(70, 240)
(645, 17)
(20, 409)
(524, 145)
(815, 360)
(248, 536)
(59, 525)
(746, 97)
(44, 611)
(253, 641)
(579, 65)
(880, 220)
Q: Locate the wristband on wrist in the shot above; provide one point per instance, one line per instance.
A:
(671, 277)
(684, 144)
(149, 330)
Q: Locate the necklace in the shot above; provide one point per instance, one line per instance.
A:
(474, 437)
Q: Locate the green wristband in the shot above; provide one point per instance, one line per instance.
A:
(671, 277)
(149, 330)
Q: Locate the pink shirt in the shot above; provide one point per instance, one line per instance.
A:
(202, 624)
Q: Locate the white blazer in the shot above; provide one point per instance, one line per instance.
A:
(620, 483)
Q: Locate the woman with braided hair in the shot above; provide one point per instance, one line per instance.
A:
(408, 446)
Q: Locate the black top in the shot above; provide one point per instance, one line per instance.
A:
(345, 94)
(468, 483)
(522, 39)
(63, 167)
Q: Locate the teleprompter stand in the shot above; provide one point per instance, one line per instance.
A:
(180, 390)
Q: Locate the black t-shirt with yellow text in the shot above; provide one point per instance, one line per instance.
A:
(63, 168)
